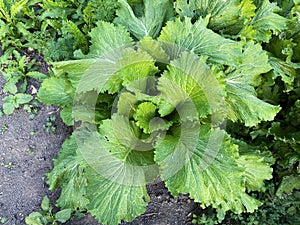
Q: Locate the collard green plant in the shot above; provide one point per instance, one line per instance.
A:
(158, 106)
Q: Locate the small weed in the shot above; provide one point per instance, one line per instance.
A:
(46, 216)
(30, 152)
(32, 109)
(32, 133)
(50, 126)
(7, 165)
(3, 129)
(3, 219)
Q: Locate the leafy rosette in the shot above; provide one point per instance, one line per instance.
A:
(151, 99)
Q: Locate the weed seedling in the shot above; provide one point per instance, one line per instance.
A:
(3, 129)
(30, 152)
(50, 126)
(7, 165)
(3, 220)
(46, 216)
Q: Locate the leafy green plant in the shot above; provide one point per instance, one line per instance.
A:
(12, 102)
(8, 165)
(17, 71)
(3, 220)
(16, 21)
(158, 107)
(47, 216)
(49, 125)
(65, 25)
(3, 129)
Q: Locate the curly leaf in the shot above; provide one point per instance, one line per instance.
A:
(242, 103)
(150, 20)
(177, 36)
(190, 87)
(203, 164)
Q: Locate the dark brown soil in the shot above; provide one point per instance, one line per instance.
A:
(26, 153)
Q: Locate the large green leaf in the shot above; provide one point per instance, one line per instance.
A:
(225, 16)
(107, 39)
(146, 20)
(113, 74)
(288, 184)
(119, 168)
(112, 202)
(205, 167)
(56, 91)
(69, 174)
(266, 22)
(242, 103)
(178, 36)
(190, 87)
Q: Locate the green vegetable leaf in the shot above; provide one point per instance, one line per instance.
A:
(177, 36)
(265, 22)
(146, 21)
(112, 202)
(204, 166)
(119, 168)
(225, 16)
(107, 39)
(190, 87)
(63, 215)
(56, 91)
(69, 174)
(144, 114)
(66, 115)
(46, 204)
(242, 103)
(153, 48)
(111, 74)
(257, 168)
(288, 184)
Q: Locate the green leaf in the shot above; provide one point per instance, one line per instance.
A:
(145, 112)
(256, 166)
(107, 39)
(190, 87)
(69, 174)
(73, 70)
(112, 202)
(23, 98)
(66, 115)
(202, 163)
(46, 204)
(285, 70)
(224, 16)
(55, 91)
(110, 75)
(177, 36)
(145, 22)
(34, 219)
(8, 108)
(119, 168)
(265, 22)
(242, 103)
(288, 184)
(63, 215)
(17, 7)
(153, 48)
(36, 75)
